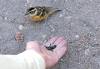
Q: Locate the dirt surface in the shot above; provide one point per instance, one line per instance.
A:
(79, 22)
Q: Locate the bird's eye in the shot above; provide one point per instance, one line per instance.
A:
(32, 12)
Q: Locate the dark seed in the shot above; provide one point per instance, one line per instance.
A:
(51, 47)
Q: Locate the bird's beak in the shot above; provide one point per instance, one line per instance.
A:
(26, 13)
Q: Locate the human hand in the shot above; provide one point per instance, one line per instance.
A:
(50, 57)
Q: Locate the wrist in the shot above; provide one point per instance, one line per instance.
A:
(34, 59)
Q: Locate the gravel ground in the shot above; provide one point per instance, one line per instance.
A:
(79, 22)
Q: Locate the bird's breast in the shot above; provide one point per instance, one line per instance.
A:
(37, 18)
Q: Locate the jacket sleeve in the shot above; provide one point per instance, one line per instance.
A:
(29, 59)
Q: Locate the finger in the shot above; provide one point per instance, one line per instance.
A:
(61, 52)
(61, 44)
(51, 41)
(61, 48)
(60, 39)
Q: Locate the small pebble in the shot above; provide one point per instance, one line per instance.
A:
(76, 36)
(62, 60)
(6, 18)
(61, 15)
(21, 27)
(95, 39)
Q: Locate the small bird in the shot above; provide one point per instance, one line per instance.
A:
(40, 13)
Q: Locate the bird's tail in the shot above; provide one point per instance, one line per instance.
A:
(53, 10)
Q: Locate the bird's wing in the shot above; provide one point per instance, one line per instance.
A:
(52, 10)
